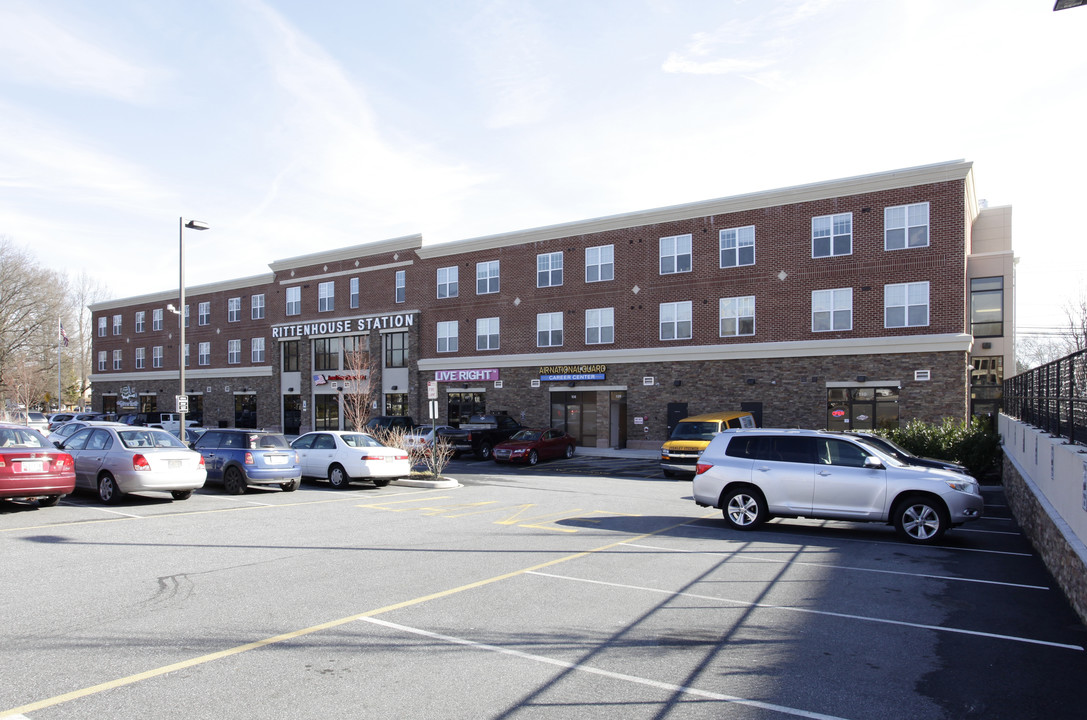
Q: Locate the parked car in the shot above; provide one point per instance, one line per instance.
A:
(116, 460)
(343, 456)
(70, 428)
(58, 419)
(171, 423)
(31, 468)
(531, 446)
(753, 475)
(422, 436)
(238, 458)
(692, 435)
(481, 434)
(32, 419)
(904, 455)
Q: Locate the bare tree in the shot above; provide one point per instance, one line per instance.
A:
(1075, 312)
(359, 390)
(85, 292)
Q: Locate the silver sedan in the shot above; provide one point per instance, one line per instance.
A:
(117, 460)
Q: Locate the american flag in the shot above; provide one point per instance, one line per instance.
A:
(63, 335)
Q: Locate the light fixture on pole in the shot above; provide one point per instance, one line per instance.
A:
(183, 398)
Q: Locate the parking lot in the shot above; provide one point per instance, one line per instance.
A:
(580, 588)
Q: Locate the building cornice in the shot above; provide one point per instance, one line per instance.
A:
(379, 247)
(246, 283)
(171, 375)
(891, 180)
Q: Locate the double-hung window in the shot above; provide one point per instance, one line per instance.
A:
(447, 336)
(203, 353)
(675, 254)
(141, 357)
(203, 313)
(294, 301)
(676, 320)
(400, 293)
(116, 324)
(233, 352)
(140, 315)
(156, 356)
(600, 263)
(326, 296)
(832, 235)
(257, 350)
(832, 310)
(599, 326)
(905, 305)
(116, 359)
(447, 282)
(233, 309)
(549, 329)
(549, 269)
(353, 293)
(256, 307)
(102, 327)
(156, 319)
(905, 226)
(487, 333)
(737, 316)
(101, 359)
(737, 246)
(487, 278)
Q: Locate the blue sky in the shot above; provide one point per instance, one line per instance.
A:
(294, 127)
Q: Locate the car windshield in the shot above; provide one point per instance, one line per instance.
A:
(148, 439)
(357, 440)
(255, 442)
(21, 438)
(526, 435)
(695, 431)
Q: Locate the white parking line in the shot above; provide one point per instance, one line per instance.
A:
(758, 558)
(234, 498)
(604, 673)
(112, 512)
(808, 611)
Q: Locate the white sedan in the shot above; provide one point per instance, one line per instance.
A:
(343, 456)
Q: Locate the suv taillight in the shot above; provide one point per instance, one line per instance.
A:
(701, 468)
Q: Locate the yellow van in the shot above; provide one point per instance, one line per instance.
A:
(692, 435)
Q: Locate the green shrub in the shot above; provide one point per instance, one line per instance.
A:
(973, 444)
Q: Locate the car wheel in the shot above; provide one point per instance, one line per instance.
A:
(290, 486)
(337, 477)
(744, 508)
(381, 482)
(48, 501)
(920, 519)
(234, 481)
(569, 451)
(533, 457)
(108, 492)
(484, 451)
(181, 494)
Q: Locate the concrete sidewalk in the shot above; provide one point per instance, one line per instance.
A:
(628, 453)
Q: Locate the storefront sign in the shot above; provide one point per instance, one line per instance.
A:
(565, 373)
(474, 375)
(325, 379)
(333, 327)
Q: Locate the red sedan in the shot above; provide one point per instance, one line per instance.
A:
(32, 468)
(531, 446)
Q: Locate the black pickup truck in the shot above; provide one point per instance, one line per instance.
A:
(480, 434)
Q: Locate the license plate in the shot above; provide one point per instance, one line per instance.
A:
(31, 466)
(173, 464)
(276, 459)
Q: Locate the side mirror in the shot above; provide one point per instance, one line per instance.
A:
(873, 463)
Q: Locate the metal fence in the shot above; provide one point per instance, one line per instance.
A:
(1052, 397)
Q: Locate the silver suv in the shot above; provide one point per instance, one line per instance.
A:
(753, 475)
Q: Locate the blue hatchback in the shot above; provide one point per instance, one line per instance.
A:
(238, 458)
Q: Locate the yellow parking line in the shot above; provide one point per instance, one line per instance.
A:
(203, 659)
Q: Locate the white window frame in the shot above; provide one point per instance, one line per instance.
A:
(448, 279)
(326, 296)
(294, 300)
(140, 317)
(102, 359)
(835, 304)
(600, 263)
(676, 321)
(906, 298)
(141, 357)
(488, 273)
(188, 355)
(909, 220)
(487, 334)
(673, 250)
(600, 326)
(549, 329)
(156, 356)
(401, 282)
(116, 324)
(256, 351)
(102, 327)
(156, 319)
(448, 333)
(234, 309)
(203, 353)
(233, 352)
(353, 293)
(549, 269)
(203, 313)
(732, 312)
(116, 359)
(256, 307)
(734, 244)
(826, 228)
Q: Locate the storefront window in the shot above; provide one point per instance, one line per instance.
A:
(396, 404)
(463, 405)
(326, 412)
(148, 403)
(987, 386)
(326, 354)
(862, 408)
(396, 350)
(245, 411)
(290, 356)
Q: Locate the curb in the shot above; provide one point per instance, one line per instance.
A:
(446, 483)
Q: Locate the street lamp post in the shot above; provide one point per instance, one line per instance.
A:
(183, 398)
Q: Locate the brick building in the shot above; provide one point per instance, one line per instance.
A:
(850, 303)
